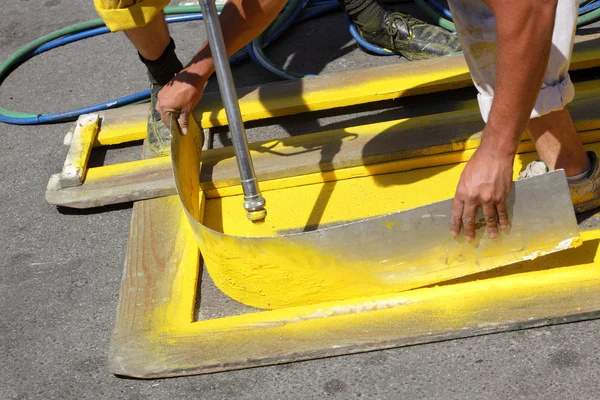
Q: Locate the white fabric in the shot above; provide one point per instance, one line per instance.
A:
(476, 28)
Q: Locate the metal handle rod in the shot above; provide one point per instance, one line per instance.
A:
(253, 199)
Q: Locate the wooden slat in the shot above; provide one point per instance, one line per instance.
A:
(328, 91)
(307, 154)
(156, 251)
(83, 137)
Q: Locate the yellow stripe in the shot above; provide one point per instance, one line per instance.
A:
(341, 90)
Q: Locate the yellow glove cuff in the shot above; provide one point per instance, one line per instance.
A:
(129, 17)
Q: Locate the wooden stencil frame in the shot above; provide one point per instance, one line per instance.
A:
(156, 336)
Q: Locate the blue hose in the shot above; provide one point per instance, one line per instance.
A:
(440, 9)
(258, 56)
(371, 48)
(119, 102)
(301, 14)
(254, 48)
(317, 9)
(589, 7)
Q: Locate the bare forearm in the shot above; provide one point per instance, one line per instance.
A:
(524, 40)
(241, 22)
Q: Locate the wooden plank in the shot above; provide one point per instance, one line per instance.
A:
(83, 137)
(156, 250)
(311, 156)
(144, 179)
(328, 91)
(155, 335)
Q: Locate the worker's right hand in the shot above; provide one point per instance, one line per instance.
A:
(180, 97)
(485, 182)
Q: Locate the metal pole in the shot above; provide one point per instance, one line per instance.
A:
(254, 202)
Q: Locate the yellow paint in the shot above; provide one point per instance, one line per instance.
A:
(259, 277)
(83, 153)
(382, 87)
(181, 307)
(442, 156)
(387, 83)
(75, 168)
(113, 171)
(535, 287)
(575, 268)
(172, 343)
(122, 132)
(390, 224)
(117, 133)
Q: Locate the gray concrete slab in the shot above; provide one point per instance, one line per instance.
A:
(61, 270)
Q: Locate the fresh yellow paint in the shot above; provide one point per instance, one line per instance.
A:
(574, 269)
(131, 167)
(157, 335)
(338, 90)
(348, 199)
(122, 132)
(262, 277)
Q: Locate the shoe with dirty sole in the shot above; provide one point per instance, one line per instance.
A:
(412, 38)
(585, 194)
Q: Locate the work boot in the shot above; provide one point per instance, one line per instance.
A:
(159, 136)
(412, 38)
(398, 32)
(585, 193)
(160, 72)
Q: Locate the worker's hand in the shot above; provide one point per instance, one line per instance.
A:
(179, 97)
(485, 182)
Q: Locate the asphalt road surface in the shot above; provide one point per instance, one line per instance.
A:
(61, 269)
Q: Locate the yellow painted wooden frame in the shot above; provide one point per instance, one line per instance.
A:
(156, 335)
(151, 178)
(359, 146)
(80, 142)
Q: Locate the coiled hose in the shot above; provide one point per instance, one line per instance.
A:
(296, 11)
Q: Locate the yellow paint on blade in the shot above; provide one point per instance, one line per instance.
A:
(245, 275)
(573, 269)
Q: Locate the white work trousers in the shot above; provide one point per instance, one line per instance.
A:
(476, 28)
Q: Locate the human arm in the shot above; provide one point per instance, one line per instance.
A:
(241, 21)
(524, 40)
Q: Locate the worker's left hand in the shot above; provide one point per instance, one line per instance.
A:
(485, 182)
(179, 97)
